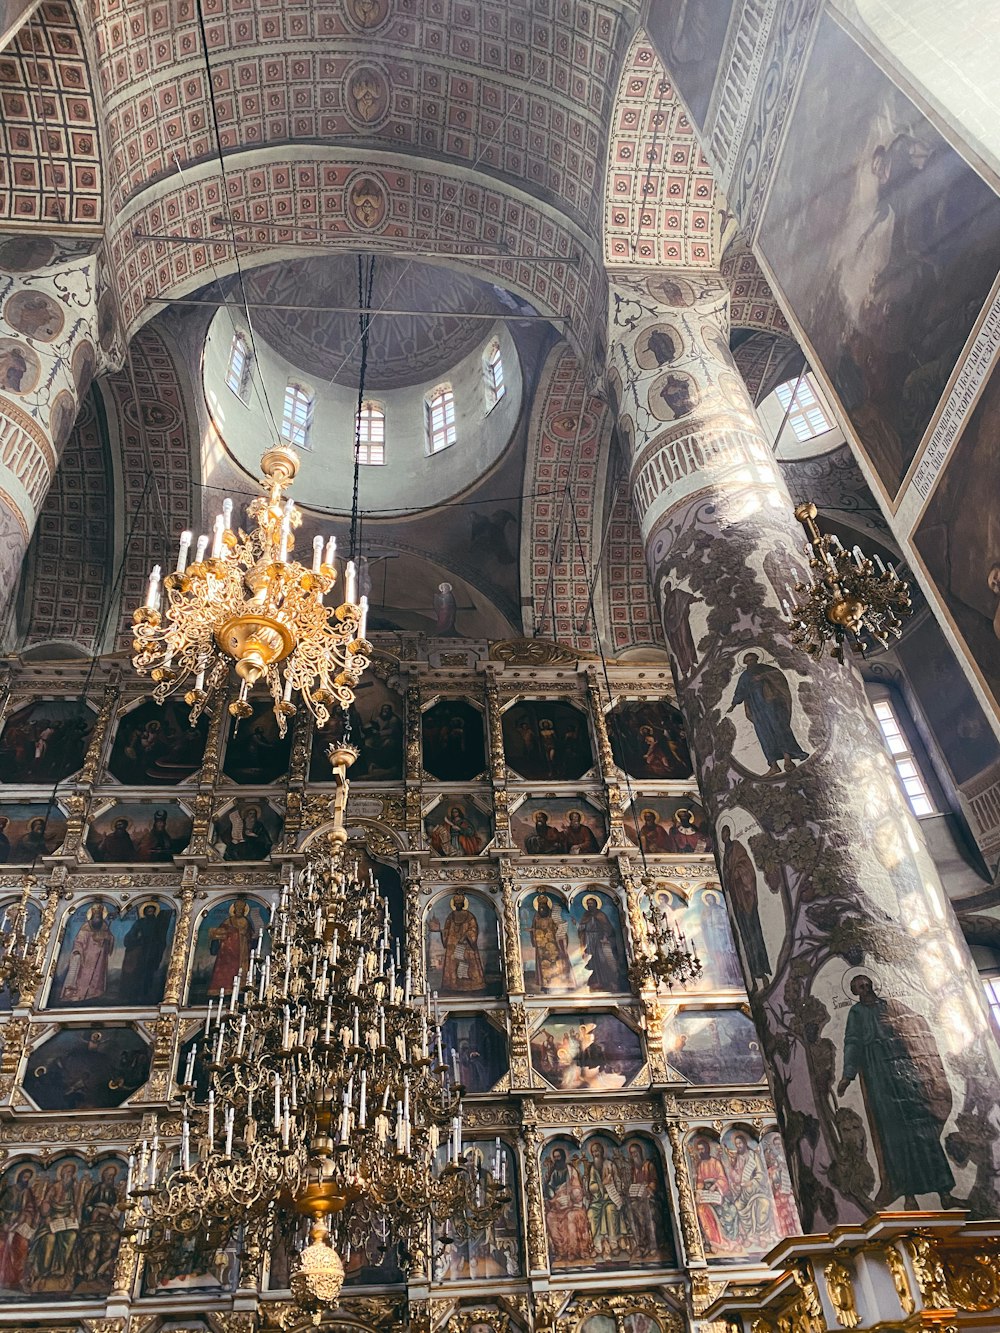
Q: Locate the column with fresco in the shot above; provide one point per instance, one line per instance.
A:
(54, 329)
(872, 1020)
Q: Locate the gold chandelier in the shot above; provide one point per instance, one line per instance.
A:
(20, 961)
(244, 601)
(328, 1094)
(851, 599)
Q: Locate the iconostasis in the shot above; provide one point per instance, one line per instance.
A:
(521, 818)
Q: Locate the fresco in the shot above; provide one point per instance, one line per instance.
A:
(156, 746)
(595, 1051)
(29, 831)
(255, 752)
(31, 916)
(560, 826)
(143, 832)
(606, 1204)
(454, 741)
(456, 826)
(496, 1251)
(905, 245)
(570, 946)
(226, 934)
(60, 1226)
(767, 715)
(110, 957)
(376, 728)
(87, 1069)
(742, 1194)
(475, 1050)
(248, 830)
(713, 1046)
(648, 741)
(463, 946)
(669, 826)
(691, 38)
(958, 539)
(546, 739)
(45, 741)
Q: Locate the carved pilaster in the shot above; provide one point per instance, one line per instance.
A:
(29, 993)
(414, 722)
(413, 922)
(690, 1231)
(179, 950)
(76, 803)
(127, 1260)
(929, 1272)
(605, 758)
(294, 805)
(213, 741)
(633, 905)
(298, 760)
(520, 1055)
(655, 1015)
(92, 760)
(538, 1250)
(201, 830)
(498, 762)
(511, 930)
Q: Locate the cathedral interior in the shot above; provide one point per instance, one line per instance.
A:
(613, 288)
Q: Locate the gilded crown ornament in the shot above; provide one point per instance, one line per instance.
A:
(852, 599)
(245, 603)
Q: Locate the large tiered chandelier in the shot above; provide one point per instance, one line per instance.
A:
(328, 1094)
(664, 957)
(244, 601)
(851, 599)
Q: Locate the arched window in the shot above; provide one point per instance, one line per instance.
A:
(239, 367)
(807, 416)
(371, 433)
(441, 419)
(917, 789)
(296, 418)
(493, 375)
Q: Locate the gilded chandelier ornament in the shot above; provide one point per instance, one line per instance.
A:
(664, 957)
(244, 602)
(20, 963)
(847, 600)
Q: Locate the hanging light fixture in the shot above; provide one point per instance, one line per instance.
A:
(20, 966)
(244, 602)
(664, 957)
(851, 599)
(328, 1094)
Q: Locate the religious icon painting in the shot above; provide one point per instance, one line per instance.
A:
(113, 957)
(769, 720)
(61, 1226)
(28, 915)
(559, 826)
(247, 830)
(669, 826)
(227, 933)
(706, 924)
(595, 1052)
(87, 1068)
(155, 745)
(45, 741)
(256, 752)
(192, 1071)
(475, 1050)
(456, 826)
(713, 1046)
(547, 740)
(462, 937)
(139, 833)
(454, 741)
(648, 741)
(190, 1265)
(374, 1258)
(374, 724)
(494, 1252)
(734, 1187)
(29, 831)
(572, 946)
(606, 1204)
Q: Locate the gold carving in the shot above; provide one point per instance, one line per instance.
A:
(536, 653)
(973, 1277)
(520, 1055)
(840, 1288)
(92, 760)
(900, 1279)
(511, 930)
(414, 723)
(538, 1251)
(413, 927)
(690, 1229)
(179, 950)
(929, 1273)
(495, 1320)
(498, 763)
(604, 754)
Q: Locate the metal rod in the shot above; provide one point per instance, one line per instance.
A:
(501, 256)
(366, 310)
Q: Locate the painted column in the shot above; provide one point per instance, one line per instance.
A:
(51, 335)
(872, 1019)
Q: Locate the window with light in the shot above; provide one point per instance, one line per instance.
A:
(493, 375)
(807, 416)
(296, 419)
(371, 434)
(906, 763)
(441, 431)
(238, 369)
